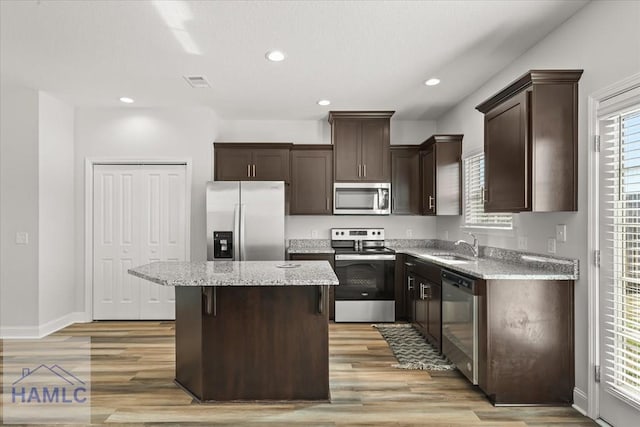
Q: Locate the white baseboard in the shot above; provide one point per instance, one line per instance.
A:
(36, 332)
(580, 401)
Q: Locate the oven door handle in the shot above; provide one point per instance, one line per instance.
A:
(365, 257)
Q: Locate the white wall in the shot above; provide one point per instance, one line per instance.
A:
(135, 133)
(313, 131)
(602, 39)
(18, 205)
(395, 226)
(57, 290)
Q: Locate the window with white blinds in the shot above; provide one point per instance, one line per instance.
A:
(620, 139)
(474, 214)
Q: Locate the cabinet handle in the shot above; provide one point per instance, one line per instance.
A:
(320, 299)
(364, 170)
(358, 170)
(393, 204)
(431, 204)
(423, 293)
(210, 300)
(410, 283)
(484, 195)
(254, 171)
(248, 171)
(328, 204)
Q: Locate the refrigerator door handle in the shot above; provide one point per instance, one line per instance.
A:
(242, 231)
(236, 232)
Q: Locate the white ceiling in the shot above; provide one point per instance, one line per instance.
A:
(358, 54)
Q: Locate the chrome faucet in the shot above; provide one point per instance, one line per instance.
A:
(474, 247)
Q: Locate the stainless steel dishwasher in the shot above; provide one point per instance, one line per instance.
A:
(460, 323)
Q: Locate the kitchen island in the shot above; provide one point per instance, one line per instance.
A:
(249, 330)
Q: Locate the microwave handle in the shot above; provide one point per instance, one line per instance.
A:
(383, 198)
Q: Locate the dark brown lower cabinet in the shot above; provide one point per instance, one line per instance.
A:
(252, 343)
(526, 346)
(332, 289)
(400, 286)
(424, 293)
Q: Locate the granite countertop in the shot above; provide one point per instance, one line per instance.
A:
(493, 263)
(512, 266)
(311, 250)
(310, 246)
(237, 273)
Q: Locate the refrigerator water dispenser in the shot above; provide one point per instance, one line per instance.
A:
(222, 244)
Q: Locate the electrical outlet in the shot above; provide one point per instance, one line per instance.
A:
(561, 232)
(551, 245)
(314, 234)
(409, 233)
(522, 242)
(22, 238)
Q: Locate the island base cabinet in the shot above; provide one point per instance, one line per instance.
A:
(526, 350)
(253, 343)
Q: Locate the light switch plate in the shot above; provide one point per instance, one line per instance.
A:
(314, 234)
(409, 233)
(551, 245)
(522, 242)
(22, 238)
(561, 232)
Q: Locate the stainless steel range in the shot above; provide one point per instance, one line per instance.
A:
(365, 268)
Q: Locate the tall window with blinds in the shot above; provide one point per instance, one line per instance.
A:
(620, 247)
(474, 214)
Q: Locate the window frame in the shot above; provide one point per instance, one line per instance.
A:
(485, 222)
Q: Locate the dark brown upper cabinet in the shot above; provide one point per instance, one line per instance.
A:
(440, 165)
(361, 145)
(531, 144)
(251, 161)
(405, 179)
(311, 180)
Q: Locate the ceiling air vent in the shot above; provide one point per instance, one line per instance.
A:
(197, 81)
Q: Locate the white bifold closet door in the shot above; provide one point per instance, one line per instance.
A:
(139, 216)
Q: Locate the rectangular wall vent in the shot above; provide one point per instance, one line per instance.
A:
(197, 81)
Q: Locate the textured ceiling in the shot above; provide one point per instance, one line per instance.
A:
(358, 54)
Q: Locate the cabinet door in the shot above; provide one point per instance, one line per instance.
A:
(507, 157)
(405, 181)
(429, 182)
(434, 325)
(421, 304)
(346, 140)
(271, 164)
(448, 178)
(311, 182)
(232, 164)
(375, 150)
(409, 286)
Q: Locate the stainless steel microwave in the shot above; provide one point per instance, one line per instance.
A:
(361, 198)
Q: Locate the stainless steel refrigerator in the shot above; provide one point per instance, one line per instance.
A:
(245, 220)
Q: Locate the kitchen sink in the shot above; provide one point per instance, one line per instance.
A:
(451, 258)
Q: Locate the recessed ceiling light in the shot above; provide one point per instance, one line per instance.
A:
(432, 82)
(275, 56)
(126, 100)
(324, 102)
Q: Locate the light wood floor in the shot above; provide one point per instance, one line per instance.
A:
(132, 369)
